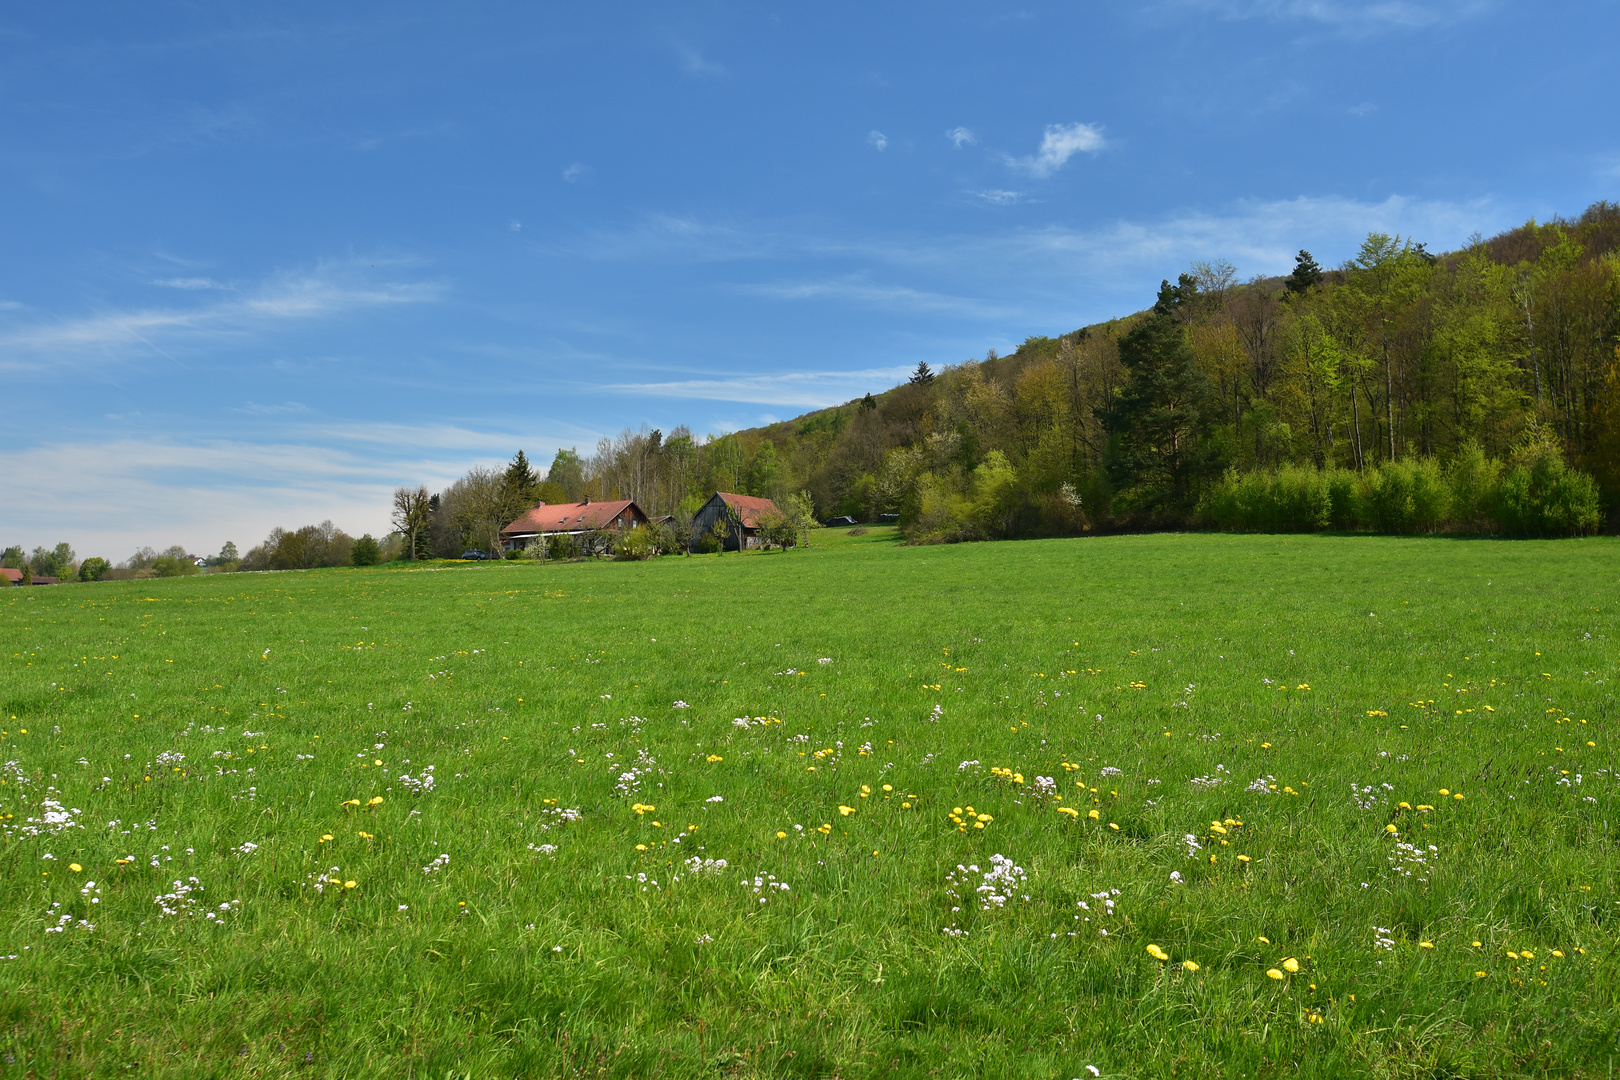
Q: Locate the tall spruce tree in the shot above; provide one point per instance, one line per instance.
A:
(1160, 450)
(923, 375)
(1306, 274)
(520, 481)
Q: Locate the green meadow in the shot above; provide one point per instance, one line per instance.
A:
(1170, 805)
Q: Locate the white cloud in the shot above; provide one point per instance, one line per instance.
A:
(1348, 15)
(515, 226)
(575, 172)
(961, 136)
(878, 140)
(1058, 145)
(694, 62)
(329, 290)
(858, 290)
(189, 283)
(997, 197)
(1366, 108)
(800, 390)
(131, 491)
(253, 408)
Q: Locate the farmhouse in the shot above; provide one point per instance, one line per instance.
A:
(748, 510)
(571, 519)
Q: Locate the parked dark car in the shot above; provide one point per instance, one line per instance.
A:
(473, 553)
(841, 521)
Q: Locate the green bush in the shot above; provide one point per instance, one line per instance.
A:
(366, 551)
(1405, 497)
(707, 544)
(1543, 496)
(636, 544)
(1474, 479)
(92, 569)
(172, 566)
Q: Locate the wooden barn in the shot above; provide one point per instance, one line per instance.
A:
(550, 519)
(749, 510)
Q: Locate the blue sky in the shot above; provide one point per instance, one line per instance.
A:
(262, 266)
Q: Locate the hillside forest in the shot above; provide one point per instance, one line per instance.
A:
(1475, 391)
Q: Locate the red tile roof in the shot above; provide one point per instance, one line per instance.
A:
(572, 517)
(748, 507)
(13, 576)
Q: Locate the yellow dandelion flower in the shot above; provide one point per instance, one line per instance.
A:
(1479, 974)
(1111, 825)
(780, 835)
(1527, 954)
(846, 810)
(1425, 944)
(1157, 953)
(1243, 858)
(75, 867)
(326, 838)
(1558, 954)
(1093, 815)
(1273, 973)
(641, 847)
(1291, 966)
(1476, 944)
(375, 800)
(1391, 829)
(1189, 965)
(351, 802)
(1265, 941)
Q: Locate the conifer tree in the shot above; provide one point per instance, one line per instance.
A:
(1160, 450)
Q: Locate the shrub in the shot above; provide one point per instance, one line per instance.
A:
(366, 551)
(170, 566)
(636, 544)
(561, 546)
(1541, 495)
(93, 569)
(707, 544)
(1404, 497)
(1473, 479)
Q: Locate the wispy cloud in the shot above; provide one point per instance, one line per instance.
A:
(998, 197)
(1348, 15)
(800, 390)
(190, 284)
(1060, 143)
(327, 291)
(878, 140)
(857, 290)
(1366, 108)
(574, 173)
(253, 408)
(961, 136)
(201, 492)
(695, 63)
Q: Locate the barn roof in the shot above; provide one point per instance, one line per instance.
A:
(748, 507)
(571, 517)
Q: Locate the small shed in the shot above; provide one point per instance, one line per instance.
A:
(749, 509)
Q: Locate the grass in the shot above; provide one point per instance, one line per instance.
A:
(1152, 679)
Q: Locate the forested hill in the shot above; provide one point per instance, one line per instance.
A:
(1507, 345)
(1476, 390)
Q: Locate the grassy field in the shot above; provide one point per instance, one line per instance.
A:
(1198, 805)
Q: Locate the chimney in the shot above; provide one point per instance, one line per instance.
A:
(587, 500)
